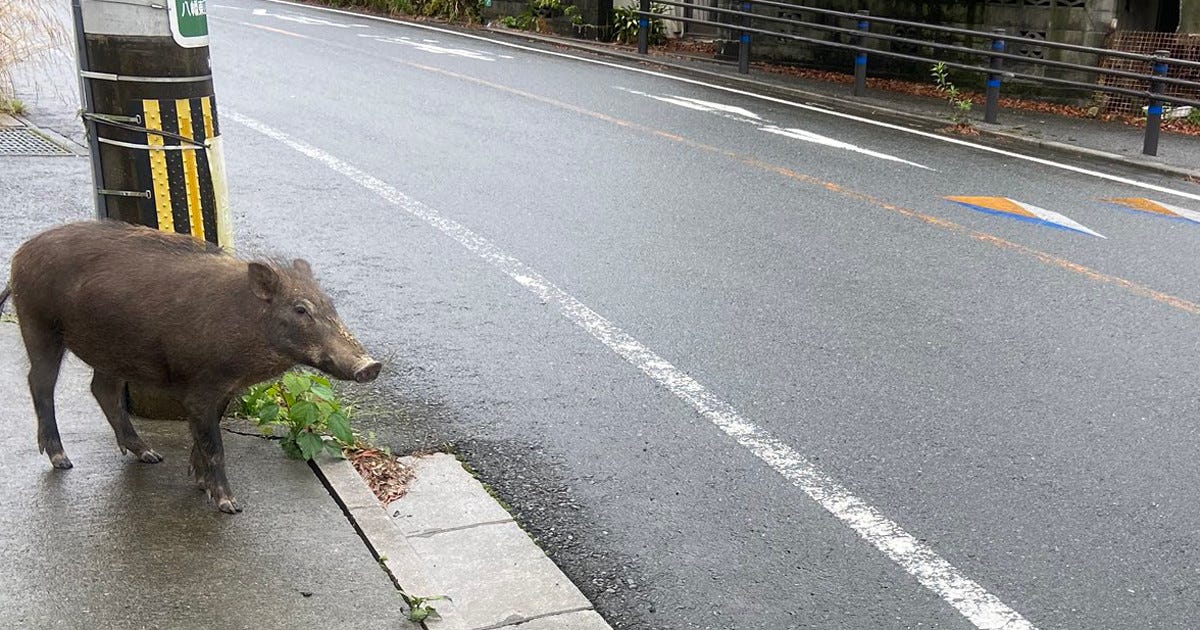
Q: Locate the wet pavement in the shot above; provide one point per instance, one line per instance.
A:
(114, 543)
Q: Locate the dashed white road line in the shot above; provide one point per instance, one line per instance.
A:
(430, 46)
(980, 607)
(763, 97)
(744, 115)
(816, 138)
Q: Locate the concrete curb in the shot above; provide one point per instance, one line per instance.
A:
(448, 536)
(848, 104)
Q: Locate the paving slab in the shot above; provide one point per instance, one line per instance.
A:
(442, 498)
(496, 576)
(449, 537)
(116, 544)
(583, 620)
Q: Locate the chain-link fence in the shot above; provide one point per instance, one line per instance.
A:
(1180, 46)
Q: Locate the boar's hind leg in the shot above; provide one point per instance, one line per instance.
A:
(208, 453)
(44, 344)
(110, 393)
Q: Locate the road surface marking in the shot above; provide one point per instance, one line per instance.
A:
(433, 48)
(808, 136)
(1157, 207)
(746, 116)
(813, 108)
(1005, 207)
(302, 19)
(983, 609)
(268, 28)
(708, 106)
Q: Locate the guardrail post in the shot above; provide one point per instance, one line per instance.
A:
(644, 27)
(860, 55)
(991, 107)
(1154, 110)
(744, 42)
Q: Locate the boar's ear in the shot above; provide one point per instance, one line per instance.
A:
(264, 281)
(302, 266)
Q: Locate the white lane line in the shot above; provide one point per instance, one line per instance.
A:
(741, 115)
(983, 609)
(816, 138)
(762, 97)
(303, 19)
(433, 48)
(732, 112)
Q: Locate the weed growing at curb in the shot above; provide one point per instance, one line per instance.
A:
(418, 607)
(304, 405)
(8, 318)
(960, 104)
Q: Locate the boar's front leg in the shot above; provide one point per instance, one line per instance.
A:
(110, 393)
(208, 453)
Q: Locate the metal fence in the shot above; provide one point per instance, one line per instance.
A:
(1136, 77)
(1181, 46)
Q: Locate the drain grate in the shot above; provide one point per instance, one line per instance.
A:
(21, 141)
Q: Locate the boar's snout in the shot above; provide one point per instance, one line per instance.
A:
(367, 370)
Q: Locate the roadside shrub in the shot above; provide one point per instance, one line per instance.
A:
(625, 24)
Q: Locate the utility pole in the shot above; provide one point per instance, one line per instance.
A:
(153, 129)
(144, 68)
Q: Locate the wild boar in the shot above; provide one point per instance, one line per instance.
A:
(173, 313)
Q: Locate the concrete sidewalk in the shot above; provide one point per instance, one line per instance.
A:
(1036, 133)
(115, 544)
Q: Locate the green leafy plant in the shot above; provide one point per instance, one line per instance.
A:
(523, 21)
(625, 24)
(572, 11)
(960, 104)
(535, 14)
(418, 607)
(305, 407)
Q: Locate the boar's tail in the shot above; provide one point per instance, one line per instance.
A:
(4, 295)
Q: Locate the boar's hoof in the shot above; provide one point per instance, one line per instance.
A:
(61, 461)
(150, 457)
(229, 505)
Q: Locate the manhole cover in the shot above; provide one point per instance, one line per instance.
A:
(22, 141)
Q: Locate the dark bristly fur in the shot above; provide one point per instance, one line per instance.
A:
(173, 313)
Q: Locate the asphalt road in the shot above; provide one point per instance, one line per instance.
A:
(1018, 398)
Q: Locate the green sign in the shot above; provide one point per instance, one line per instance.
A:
(189, 22)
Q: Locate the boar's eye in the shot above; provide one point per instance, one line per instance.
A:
(301, 309)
